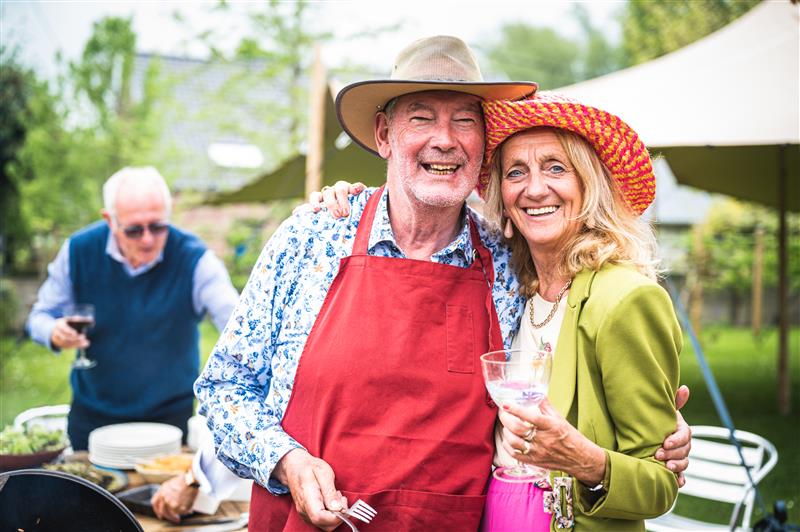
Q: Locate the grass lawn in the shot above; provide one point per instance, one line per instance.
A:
(744, 368)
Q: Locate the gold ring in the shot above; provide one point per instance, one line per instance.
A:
(524, 451)
(530, 435)
(326, 187)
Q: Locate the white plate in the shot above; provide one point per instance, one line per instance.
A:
(121, 445)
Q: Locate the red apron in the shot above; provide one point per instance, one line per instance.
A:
(389, 391)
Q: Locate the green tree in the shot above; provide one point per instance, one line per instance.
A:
(17, 85)
(728, 240)
(652, 29)
(80, 129)
(543, 55)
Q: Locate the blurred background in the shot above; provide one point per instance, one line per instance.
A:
(216, 96)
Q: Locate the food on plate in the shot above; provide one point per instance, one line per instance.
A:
(31, 440)
(170, 464)
(104, 479)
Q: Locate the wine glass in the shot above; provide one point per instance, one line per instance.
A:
(81, 318)
(518, 376)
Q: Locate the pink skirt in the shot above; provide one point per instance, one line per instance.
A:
(514, 507)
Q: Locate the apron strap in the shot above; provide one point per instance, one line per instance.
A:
(365, 223)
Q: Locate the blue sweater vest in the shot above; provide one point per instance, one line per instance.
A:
(145, 338)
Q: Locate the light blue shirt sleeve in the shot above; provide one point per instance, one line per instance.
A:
(54, 296)
(212, 290)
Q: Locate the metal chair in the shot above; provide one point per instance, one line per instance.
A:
(715, 473)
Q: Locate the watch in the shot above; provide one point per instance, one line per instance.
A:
(597, 488)
(189, 479)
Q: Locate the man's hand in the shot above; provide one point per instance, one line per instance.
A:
(63, 336)
(311, 481)
(675, 449)
(174, 499)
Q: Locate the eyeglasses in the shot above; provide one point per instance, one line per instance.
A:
(136, 232)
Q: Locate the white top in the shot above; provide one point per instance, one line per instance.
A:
(527, 337)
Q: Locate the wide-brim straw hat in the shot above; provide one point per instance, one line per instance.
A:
(617, 145)
(432, 63)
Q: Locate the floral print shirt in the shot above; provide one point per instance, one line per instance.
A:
(245, 387)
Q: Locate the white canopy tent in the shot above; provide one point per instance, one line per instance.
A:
(725, 112)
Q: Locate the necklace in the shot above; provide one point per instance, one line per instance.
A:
(552, 310)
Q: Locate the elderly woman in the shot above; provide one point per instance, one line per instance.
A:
(568, 183)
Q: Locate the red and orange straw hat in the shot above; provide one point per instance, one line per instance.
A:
(617, 145)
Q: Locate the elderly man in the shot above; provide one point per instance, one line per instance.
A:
(151, 285)
(350, 366)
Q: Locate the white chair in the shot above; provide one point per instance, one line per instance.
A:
(53, 417)
(715, 473)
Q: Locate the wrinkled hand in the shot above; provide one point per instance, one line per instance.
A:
(335, 198)
(63, 336)
(174, 499)
(311, 481)
(556, 445)
(675, 449)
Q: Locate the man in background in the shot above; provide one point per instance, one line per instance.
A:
(150, 284)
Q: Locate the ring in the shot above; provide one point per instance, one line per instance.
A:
(524, 451)
(530, 435)
(326, 187)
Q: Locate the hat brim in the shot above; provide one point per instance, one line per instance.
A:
(357, 103)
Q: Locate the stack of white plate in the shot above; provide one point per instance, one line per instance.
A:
(123, 445)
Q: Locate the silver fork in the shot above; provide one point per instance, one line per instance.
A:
(359, 510)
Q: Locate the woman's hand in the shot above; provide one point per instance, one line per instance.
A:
(543, 437)
(335, 198)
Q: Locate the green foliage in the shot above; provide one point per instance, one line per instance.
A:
(275, 48)
(31, 440)
(18, 86)
(547, 57)
(729, 235)
(652, 29)
(78, 131)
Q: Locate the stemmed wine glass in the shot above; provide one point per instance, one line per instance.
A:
(520, 376)
(81, 318)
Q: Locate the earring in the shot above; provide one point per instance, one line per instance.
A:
(508, 230)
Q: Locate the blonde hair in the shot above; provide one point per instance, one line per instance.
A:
(610, 231)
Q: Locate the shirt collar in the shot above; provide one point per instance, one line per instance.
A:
(113, 251)
(382, 232)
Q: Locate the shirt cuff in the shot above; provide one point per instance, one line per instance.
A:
(41, 330)
(258, 457)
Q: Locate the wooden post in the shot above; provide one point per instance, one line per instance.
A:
(316, 124)
(758, 281)
(696, 288)
(784, 380)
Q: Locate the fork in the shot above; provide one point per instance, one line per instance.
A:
(359, 510)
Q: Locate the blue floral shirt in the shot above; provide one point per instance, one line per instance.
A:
(245, 387)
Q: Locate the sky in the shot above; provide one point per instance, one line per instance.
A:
(43, 27)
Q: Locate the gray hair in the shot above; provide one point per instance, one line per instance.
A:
(143, 175)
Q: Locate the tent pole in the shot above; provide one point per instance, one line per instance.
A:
(784, 381)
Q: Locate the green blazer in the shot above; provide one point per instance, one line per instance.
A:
(614, 378)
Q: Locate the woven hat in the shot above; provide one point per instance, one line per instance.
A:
(432, 63)
(617, 145)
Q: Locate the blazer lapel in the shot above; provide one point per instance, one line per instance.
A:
(563, 380)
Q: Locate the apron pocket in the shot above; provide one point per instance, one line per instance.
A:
(420, 510)
(460, 339)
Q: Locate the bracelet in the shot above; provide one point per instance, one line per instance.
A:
(597, 488)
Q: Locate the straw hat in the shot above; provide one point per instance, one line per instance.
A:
(617, 145)
(432, 63)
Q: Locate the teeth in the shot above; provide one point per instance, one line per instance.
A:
(541, 210)
(442, 168)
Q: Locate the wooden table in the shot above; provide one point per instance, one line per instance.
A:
(152, 524)
(226, 509)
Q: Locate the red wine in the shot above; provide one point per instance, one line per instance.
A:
(80, 323)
